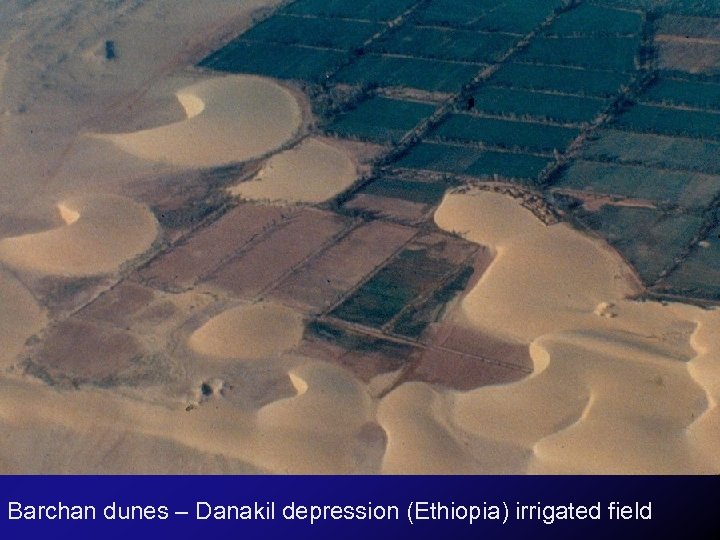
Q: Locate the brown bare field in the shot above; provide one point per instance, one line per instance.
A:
(399, 209)
(86, 351)
(119, 305)
(204, 251)
(688, 55)
(278, 253)
(326, 278)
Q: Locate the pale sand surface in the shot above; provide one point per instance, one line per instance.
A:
(620, 394)
(313, 171)
(20, 317)
(249, 331)
(99, 233)
(229, 119)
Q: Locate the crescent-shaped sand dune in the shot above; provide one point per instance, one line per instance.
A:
(313, 171)
(99, 234)
(229, 119)
(248, 332)
(631, 393)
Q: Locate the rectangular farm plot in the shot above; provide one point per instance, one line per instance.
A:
(522, 104)
(453, 13)
(561, 79)
(328, 277)
(181, 267)
(315, 31)
(699, 273)
(517, 16)
(505, 133)
(414, 273)
(611, 53)
(275, 60)
(667, 121)
(381, 119)
(525, 168)
(654, 151)
(686, 189)
(281, 250)
(696, 94)
(590, 19)
(374, 10)
(407, 72)
(439, 157)
(444, 44)
(648, 238)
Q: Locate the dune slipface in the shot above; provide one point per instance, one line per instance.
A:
(20, 317)
(99, 234)
(619, 386)
(249, 331)
(313, 171)
(229, 119)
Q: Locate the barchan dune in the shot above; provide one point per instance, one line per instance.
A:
(99, 233)
(229, 119)
(249, 331)
(619, 386)
(313, 171)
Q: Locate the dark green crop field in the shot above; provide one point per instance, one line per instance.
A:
(596, 52)
(667, 121)
(566, 80)
(381, 119)
(510, 134)
(427, 193)
(520, 104)
(594, 20)
(698, 95)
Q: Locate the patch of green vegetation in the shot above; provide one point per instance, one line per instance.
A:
(701, 95)
(559, 79)
(685, 189)
(423, 74)
(509, 165)
(699, 274)
(413, 322)
(381, 119)
(654, 151)
(444, 44)
(275, 60)
(590, 19)
(319, 32)
(665, 121)
(517, 16)
(535, 105)
(439, 157)
(375, 10)
(505, 133)
(648, 238)
(385, 295)
(597, 52)
(428, 193)
(453, 13)
(351, 341)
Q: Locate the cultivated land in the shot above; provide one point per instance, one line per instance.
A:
(398, 236)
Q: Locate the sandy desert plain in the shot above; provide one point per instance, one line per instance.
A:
(341, 236)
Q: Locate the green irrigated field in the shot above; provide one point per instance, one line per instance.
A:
(444, 44)
(374, 10)
(439, 157)
(517, 16)
(524, 168)
(654, 151)
(650, 239)
(695, 94)
(319, 32)
(611, 53)
(427, 193)
(686, 189)
(699, 274)
(275, 60)
(514, 103)
(667, 121)
(390, 71)
(453, 13)
(381, 119)
(566, 80)
(505, 133)
(590, 19)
